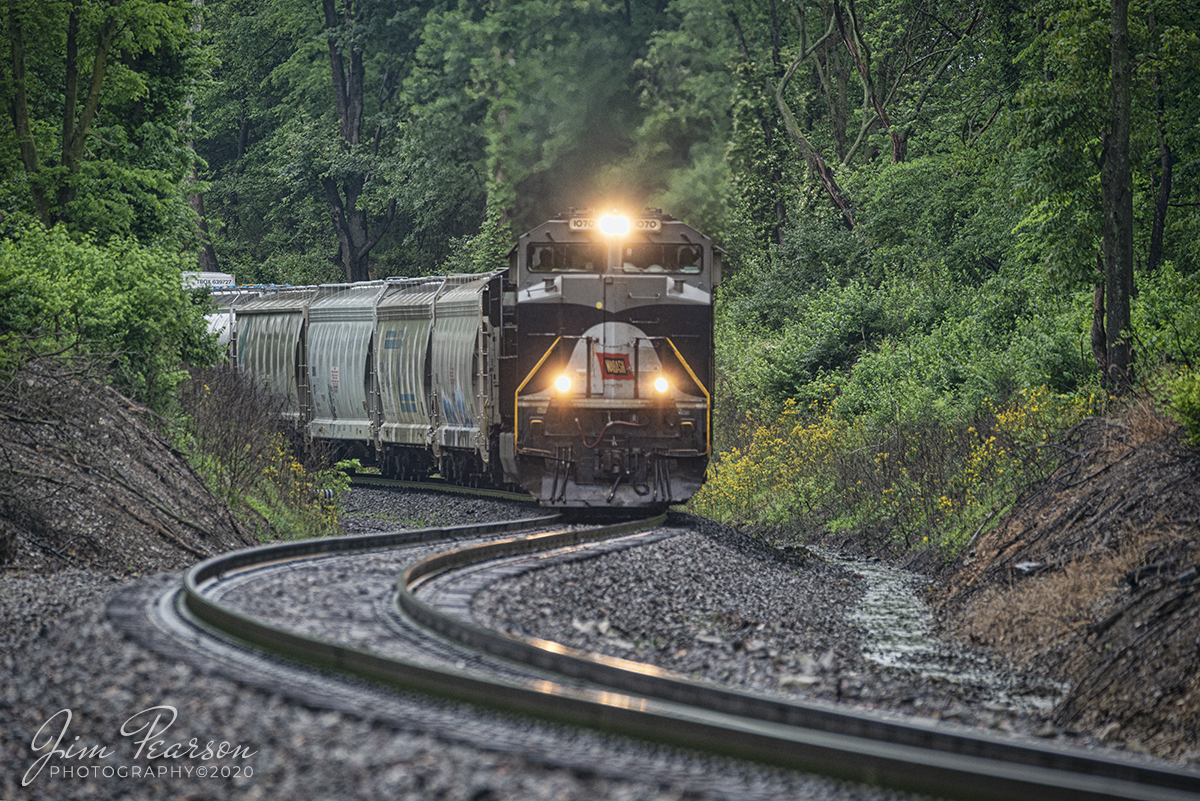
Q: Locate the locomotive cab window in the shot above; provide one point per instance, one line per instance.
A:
(546, 257)
(650, 257)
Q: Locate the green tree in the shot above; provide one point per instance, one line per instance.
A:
(1081, 146)
(475, 117)
(1171, 60)
(302, 134)
(120, 302)
(850, 79)
(546, 85)
(347, 178)
(97, 95)
(267, 222)
(686, 81)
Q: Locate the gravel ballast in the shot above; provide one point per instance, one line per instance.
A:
(60, 651)
(715, 605)
(708, 602)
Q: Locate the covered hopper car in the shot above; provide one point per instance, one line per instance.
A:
(582, 372)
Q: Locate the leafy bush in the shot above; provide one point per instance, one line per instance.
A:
(769, 293)
(779, 474)
(934, 218)
(230, 429)
(120, 300)
(297, 501)
(904, 385)
(1166, 315)
(1184, 399)
(920, 482)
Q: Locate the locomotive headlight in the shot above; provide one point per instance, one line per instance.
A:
(614, 225)
(661, 384)
(563, 384)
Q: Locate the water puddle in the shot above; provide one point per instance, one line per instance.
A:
(900, 635)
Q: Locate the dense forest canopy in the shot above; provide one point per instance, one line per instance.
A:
(935, 212)
(323, 133)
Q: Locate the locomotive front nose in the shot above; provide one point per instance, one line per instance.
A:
(608, 411)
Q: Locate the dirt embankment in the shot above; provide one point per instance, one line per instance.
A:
(1093, 574)
(85, 482)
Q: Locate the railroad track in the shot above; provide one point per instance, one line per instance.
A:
(438, 485)
(543, 679)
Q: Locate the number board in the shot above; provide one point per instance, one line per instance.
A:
(646, 224)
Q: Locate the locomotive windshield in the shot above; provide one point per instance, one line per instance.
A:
(650, 257)
(638, 257)
(554, 257)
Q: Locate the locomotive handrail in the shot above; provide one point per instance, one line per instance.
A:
(517, 393)
(707, 398)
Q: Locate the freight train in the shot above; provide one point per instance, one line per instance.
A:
(582, 372)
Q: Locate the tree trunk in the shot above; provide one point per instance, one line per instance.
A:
(22, 124)
(350, 226)
(1162, 199)
(857, 48)
(207, 257)
(1099, 344)
(819, 166)
(814, 159)
(71, 85)
(1117, 200)
(840, 105)
(75, 133)
(351, 223)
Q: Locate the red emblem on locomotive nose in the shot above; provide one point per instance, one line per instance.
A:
(615, 365)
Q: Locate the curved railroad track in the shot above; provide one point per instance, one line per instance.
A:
(435, 648)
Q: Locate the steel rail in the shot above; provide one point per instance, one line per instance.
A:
(368, 480)
(958, 764)
(854, 751)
